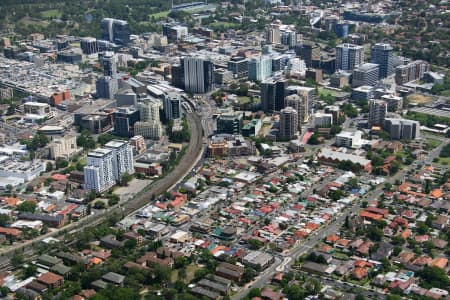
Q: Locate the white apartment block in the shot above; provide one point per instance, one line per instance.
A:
(99, 172)
(123, 158)
(349, 139)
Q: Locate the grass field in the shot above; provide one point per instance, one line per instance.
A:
(243, 99)
(432, 143)
(190, 272)
(52, 13)
(419, 99)
(226, 25)
(444, 161)
(323, 91)
(160, 15)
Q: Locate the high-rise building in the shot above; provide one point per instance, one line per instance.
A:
(349, 56)
(309, 52)
(401, 129)
(122, 158)
(177, 71)
(115, 31)
(383, 55)
(198, 74)
(341, 29)
(230, 123)
(306, 93)
(259, 68)
(410, 72)
(273, 94)
(273, 34)
(106, 87)
(395, 103)
(105, 166)
(289, 38)
(172, 106)
(89, 45)
(365, 74)
(109, 63)
(99, 171)
(124, 120)
(377, 112)
(300, 105)
(322, 120)
(288, 123)
(238, 65)
(149, 125)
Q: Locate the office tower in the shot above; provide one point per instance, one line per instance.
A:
(149, 125)
(338, 115)
(394, 103)
(89, 45)
(401, 129)
(124, 120)
(238, 65)
(288, 123)
(273, 34)
(322, 120)
(349, 56)
(365, 74)
(259, 68)
(122, 158)
(349, 139)
(125, 97)
(106, 87)
(308, 51)
(383, 55)
(69, 57)
(306, 93)
(377, 112)
(177, 74)
(272, 94)
(172, 106)
(115, 31)
(341, 30)
(230, 123)
(99, 171)
(174, 31)
(410, 72)
(289, 38)
(109, 63)
(198, 74)
(300, 105)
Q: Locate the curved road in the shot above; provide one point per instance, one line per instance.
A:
(189, 160)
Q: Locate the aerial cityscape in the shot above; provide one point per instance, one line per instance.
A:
(256, 149)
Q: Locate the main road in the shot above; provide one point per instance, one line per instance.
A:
(193, 153)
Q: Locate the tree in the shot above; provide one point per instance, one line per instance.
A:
(4, 219)
(162, 274)
(249, 274)
(255, 244)
(104, 138)
(130, 244)
(27, 206)
(61, 163)
(29, 271)
(17, 259)
(125, 179)
(49, 167)
(182, 274)
(434, 277)
(99, 204)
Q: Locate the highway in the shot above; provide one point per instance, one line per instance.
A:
(189, 160)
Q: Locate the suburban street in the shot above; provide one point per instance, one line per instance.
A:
(333, 227)
(189, 160)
